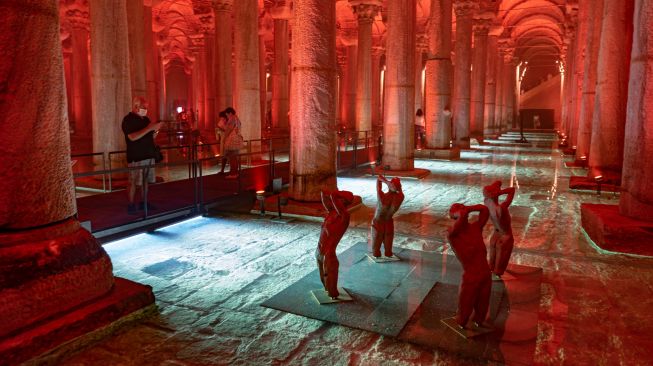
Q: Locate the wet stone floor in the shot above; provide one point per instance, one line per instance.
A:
(211, 274)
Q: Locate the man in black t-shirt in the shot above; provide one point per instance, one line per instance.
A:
(139, 135)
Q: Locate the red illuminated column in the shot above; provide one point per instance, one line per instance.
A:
(481, 29)
(438, 75)
(579, 68)
(313, 100)
(365, 11)
(280, 103)
(199, 68)
(376, 85)
(348, 84)
(637, 180)
(490, 86)
(262, 71)
(247, 88)
(49, 263)
(608, 121)
(136, 27)
(111, 92)
(209, 81)
(81, 75)
(589, 79)
(509, 90)
(222, 10)
(151, 63)
(499, 101)
(465, 10)
(421, 46)
(398, 143)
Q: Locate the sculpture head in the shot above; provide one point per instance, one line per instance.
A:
(492, 190)
(346, 197)
(395, 184)
(456, 210)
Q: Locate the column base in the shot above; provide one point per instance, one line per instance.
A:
(589, 184)
(55, 338)
(438, 154)
(576, 164)
(611, 231)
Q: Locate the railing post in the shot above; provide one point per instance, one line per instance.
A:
(110, 173)
(104, 176)
(356, 151)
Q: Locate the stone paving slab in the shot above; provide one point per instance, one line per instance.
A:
(385, 294)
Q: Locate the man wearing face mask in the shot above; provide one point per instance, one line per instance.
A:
(139, 135)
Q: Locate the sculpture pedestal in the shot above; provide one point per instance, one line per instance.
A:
(470, 331)
(322, 296)
(438, 154)
(383, 258)
(404, 174)
(611, 231)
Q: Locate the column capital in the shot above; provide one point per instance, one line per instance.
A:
(421, 42)
(378, 51)
(482, 26)
(348, 37)
(77, 13)
(465, 8)
(222, 5)
(281, 10)
(365, 10)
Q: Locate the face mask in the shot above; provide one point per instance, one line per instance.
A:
(142, 112)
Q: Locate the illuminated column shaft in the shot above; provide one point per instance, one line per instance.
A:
(608, 120)
(111, 85)
(209, 82)
(481, 29)
(81, 101)
(490, 86)
(589, 79)
(247, 96)
(223, 53)
(462, 75)
(151, 66)
(365, 12)
(280, 91)
(438, 76)
(135, 23)
(580, 70)
(313, 96)
(49, 263)
(637, 181)
(398, 143)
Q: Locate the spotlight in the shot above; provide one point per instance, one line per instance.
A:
(180, 109)
(260, 196)
(598, 179)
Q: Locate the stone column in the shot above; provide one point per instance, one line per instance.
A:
(376, 86)
(421, 46)
(481, 29)
(608, 121)
(49, 263)
(247, 88)
(349, 84)
(365, 11)
(209, 81)
(438, 76)
(637, 187)
(398, 129)
(200, 91)
(136, 27)
(579, 69)
(262, 79)
(81, 75)
(313, 92)
(499, 101)
(589, 78)
(490, 86)
(151, 63)
(222, 10)
(281, 13)
(111, 93)
(464, 9)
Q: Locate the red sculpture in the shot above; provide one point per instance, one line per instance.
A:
(502, 240)
(383, 230)
(467, 242)
(333, 228)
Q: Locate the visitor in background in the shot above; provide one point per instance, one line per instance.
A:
(139, 136)
(233, 142)
(220, 136)
(420, 129)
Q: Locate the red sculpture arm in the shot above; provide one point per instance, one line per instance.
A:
(510, 192)
(483, 213)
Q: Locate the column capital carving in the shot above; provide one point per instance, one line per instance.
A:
(378, 51)
(421, 42)
(482, 26)
(348, 37)
(465, 8)
(365, 10)
(77, 13)
(222, 5)
(281, 10)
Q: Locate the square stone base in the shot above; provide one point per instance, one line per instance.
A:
(576, 164)
(611, 231)
(78, 328)
(438, 154)
(585, 183)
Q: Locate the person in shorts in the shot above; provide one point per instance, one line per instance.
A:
(139, 136)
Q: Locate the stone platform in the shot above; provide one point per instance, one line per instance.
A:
(585, 183)
(611, 231)
(297, 208)
(79, 327)
(438, 154)
(407, 299)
